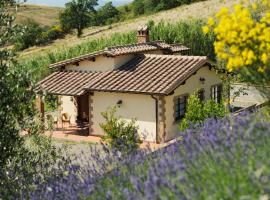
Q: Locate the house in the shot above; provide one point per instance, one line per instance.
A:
(149, 81)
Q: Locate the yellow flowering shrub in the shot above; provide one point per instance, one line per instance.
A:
(243, 37)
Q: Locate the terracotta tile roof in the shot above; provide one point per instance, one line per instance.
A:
(124, 49)
(78, 59)
(151, 74)
(138, 48)
(66, 82)
(178, 48)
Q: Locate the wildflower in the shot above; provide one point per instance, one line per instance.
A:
(205, 29)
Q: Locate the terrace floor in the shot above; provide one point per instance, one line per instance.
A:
(80, 134)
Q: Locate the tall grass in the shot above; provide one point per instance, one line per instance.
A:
(186, 32)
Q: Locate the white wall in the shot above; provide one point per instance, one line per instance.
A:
(191, 85)
(69, 106)
(141, 107)
(101, 64)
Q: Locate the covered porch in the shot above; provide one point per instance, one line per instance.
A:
(73, 114)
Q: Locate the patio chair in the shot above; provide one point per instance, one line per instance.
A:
(65, 118)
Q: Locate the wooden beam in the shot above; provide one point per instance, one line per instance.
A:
(93, 59)
(40, 107)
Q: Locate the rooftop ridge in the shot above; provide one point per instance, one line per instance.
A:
(135, 44)
(174, 56)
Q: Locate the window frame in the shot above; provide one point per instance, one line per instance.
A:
(177, 107)
(201, 94)
(216, 92)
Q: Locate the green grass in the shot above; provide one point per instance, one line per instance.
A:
(43, 15)
(70, 142)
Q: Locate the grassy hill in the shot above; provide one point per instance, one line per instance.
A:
(199, 10)
(44, 15)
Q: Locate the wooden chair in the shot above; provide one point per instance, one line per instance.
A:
(65, 118)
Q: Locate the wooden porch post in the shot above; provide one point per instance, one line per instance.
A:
(90, 100)
(40, 107)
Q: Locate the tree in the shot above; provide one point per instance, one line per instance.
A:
(30, 36)
(12, 108)
(243, 40)
(138, 7)
(106, 13)
(20, 167)
(77, 15)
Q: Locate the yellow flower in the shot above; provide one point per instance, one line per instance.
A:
(261, 69)
(264, 58)
(254, 6)
(211, 22)
(205, 29)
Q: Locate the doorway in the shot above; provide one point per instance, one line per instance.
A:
(83, 108)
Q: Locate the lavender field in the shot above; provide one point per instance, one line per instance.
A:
(224, 159)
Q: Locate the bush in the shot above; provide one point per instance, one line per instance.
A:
(226, 159)
(55, 32)
(120, 134)
(33, 34)
(30, 36)
(198, 111)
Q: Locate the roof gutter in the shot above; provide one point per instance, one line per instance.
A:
(156, 102)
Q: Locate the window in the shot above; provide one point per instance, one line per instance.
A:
(201, 95)
(180, 104)
(216, 92)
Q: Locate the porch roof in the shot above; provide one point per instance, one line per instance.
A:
(68, 83)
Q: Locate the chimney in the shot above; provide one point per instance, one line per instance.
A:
(143, 35)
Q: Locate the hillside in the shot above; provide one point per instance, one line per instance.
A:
(44, 15)
(199, 10)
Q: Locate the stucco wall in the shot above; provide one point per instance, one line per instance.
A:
(141, 107)
(191, 85)
(68, 105)
(101, 64)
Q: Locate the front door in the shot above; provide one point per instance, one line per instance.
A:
(83, 108)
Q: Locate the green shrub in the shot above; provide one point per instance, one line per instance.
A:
(55, 32)
(30, 36)
(198, 111)
(120, 134)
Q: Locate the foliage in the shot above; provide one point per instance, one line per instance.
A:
(198, 111)
(33, 34)
(13, 106)
(55, 32)
(107, 14)
(20, 165)
(188, 33)
(151, 6)
(51, 102)
(243, 40)
(32, 163)
(226, 159)
(119, 133)
(77, 15)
